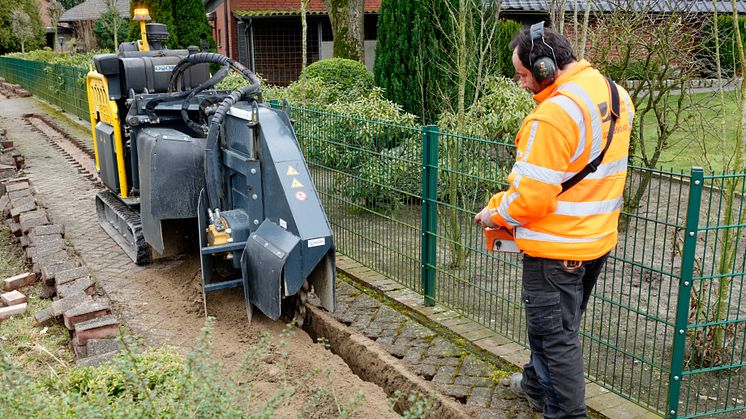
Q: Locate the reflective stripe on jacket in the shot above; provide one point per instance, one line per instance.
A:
(566, 131)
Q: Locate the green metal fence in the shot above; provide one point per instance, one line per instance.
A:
(665, 327)
(61, 85)
(667, 322)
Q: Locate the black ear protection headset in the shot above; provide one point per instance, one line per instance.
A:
(543, 68)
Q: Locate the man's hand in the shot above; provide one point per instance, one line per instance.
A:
(483, 218)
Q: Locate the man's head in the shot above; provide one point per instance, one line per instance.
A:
(553, 45)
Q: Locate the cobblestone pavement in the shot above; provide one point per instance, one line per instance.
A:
(454, 371)
(69, 198)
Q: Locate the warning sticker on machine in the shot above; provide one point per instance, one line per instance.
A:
(164, 68)
(296, 184)
(292, 171)
(317, 242)
(300, 196)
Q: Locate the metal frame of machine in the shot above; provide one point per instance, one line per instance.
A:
(178, 157)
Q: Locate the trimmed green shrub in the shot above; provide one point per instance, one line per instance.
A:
(497, 115)
(347, 77)
(351, 133)
(46, 55)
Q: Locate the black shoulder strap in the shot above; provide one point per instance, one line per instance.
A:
(592, 166)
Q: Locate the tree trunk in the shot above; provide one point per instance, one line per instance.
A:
(116, 36)
(346, 17)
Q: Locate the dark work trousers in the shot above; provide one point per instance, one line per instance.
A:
(555, 293)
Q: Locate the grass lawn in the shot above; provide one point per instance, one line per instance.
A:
(703, 142)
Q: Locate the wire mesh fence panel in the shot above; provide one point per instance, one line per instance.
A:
(480, 285)
(368, 176)
(629, 323)
(629, 331)
(713, 379)
(59, 85)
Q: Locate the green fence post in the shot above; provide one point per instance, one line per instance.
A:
(685, 291)
(429, 211)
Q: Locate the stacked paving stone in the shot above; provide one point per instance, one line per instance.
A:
(13, 302)
(75, 301)
(11, 161)
(9, 88)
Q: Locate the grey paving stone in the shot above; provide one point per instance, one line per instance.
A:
(361, 322)
(364, 304)
(480, 397)
(102, 346)
(469, 381)
(483, 413)
(442, 360)
(459, 392)
(442, 347)
(426, 371)
(388, 314)
(445, 374)
(346, 317)
(94, 361)
(414, 355)
(475, 367)
(372, 331)
(413, 330)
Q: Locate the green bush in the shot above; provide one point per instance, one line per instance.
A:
(46, 55)
(154, 383)
(350, 133)
(325, 82)
(497, 115)
(388, 179)
(322, 83)
(349, 76)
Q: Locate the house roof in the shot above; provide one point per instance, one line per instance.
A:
(92, 10)
(659, 6)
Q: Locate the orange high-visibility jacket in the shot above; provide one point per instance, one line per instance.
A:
(566, 131)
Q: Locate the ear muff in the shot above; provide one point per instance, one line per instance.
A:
(543, 68)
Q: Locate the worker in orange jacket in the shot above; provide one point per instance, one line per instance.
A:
(563, 207)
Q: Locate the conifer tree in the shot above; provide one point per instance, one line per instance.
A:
(191, 24)
(407, 55)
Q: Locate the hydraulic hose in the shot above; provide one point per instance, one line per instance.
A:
(213, 166)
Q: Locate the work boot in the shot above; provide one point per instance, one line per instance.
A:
(515, 386)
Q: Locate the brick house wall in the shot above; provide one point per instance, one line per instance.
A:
(269, 40)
